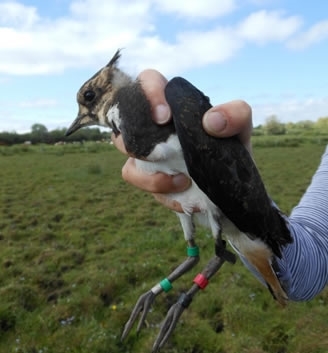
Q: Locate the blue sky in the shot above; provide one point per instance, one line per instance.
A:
(271, 53)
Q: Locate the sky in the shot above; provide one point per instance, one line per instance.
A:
(271, 53)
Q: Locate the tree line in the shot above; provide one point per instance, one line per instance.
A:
(40, 134)
(273, 126)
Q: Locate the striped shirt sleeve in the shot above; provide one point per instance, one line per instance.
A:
(303, 268)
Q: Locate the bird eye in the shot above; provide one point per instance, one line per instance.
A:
(89, 95)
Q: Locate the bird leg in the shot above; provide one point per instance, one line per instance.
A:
(145, 301)
(200, 282)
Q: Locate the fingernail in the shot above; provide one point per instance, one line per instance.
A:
(181, 182)
(214, 122)
(162, 114)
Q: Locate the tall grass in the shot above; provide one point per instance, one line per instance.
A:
(78, 246)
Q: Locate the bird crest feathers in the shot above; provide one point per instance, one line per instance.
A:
(114, 60)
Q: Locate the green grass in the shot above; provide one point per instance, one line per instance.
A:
(78, 246)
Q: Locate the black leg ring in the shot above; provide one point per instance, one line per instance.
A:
(185, 300)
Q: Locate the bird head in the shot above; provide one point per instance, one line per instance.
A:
(111, 98)
(96, 97)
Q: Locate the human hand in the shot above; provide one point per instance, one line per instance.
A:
(224, 120)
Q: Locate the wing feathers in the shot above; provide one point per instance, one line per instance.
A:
(224, 169)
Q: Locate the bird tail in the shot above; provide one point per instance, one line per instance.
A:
(262, 261)
(261, 257)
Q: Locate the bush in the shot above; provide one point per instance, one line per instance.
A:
(277, 141)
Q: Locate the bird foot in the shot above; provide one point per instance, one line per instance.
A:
(146, 300)
(200, 282)
(171, 321)
(143, 306)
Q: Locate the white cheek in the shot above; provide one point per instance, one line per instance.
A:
(113, 115)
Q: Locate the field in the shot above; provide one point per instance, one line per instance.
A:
(78, 246)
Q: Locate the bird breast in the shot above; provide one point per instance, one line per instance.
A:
(167, 157)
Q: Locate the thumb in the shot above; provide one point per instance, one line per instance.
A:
(230, 119)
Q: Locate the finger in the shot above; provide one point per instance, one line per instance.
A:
(153, 83)
(119, 144)
(229, 119)
(155, 183)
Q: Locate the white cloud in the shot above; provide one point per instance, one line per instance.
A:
(197, 9)
(215, 46)
(263, 26)
(93, 30)
(291, 110)
(19, 15)
(38, 103)
(49, 46)
(11, 39)
(315, 34)
(191, 49)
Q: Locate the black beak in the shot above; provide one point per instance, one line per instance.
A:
(80, 121)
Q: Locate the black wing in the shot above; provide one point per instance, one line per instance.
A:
(223, 169)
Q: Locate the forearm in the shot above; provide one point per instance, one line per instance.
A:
(305, 261)
(303, 268)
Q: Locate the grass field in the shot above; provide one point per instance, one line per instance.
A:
(78, 246)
